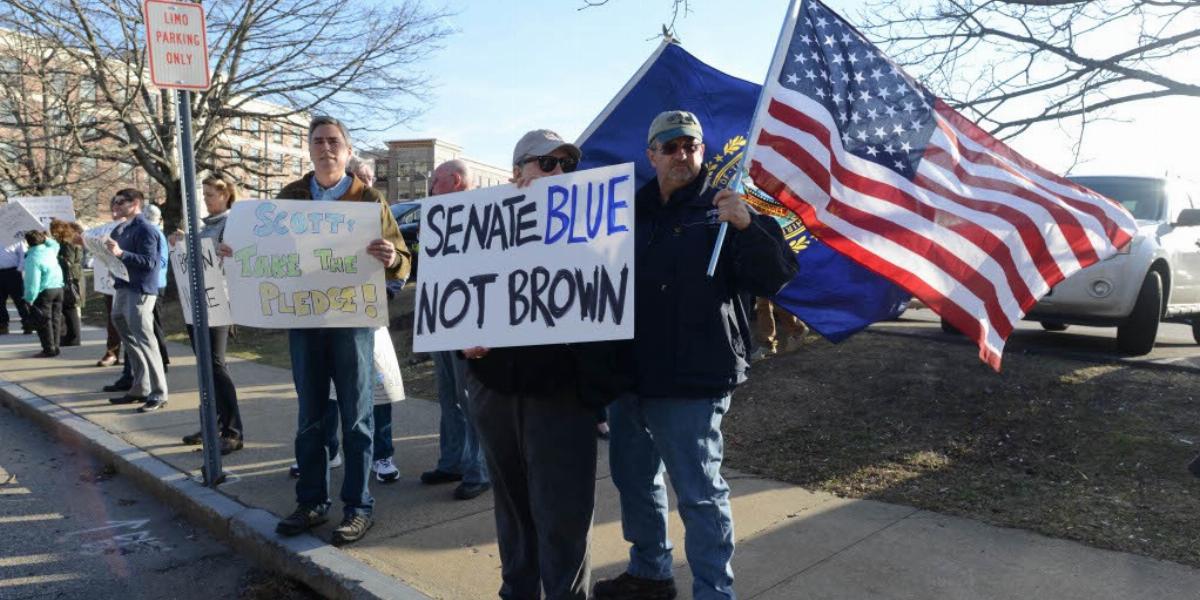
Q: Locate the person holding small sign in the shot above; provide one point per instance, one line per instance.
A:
(689, 352)
(343, 355)
(534, 408)
(219, 195)
(69, 236)
(135, 243)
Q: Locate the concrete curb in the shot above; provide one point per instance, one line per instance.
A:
(251, 531)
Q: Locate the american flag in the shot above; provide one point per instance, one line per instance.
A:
(890, 175)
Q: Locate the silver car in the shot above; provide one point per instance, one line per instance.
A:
(1155, 277)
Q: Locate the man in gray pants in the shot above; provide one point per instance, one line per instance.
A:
(135, 243)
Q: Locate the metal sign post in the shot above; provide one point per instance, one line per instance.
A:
(178, 52)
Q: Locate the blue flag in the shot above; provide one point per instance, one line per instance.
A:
(834, 295)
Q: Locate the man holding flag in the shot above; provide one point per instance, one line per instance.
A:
(689, 352)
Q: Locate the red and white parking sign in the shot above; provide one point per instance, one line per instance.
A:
(176, 44)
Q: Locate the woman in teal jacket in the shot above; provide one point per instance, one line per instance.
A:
(44, 289)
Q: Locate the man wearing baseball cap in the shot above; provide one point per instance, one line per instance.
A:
(534, 409)
(691, 337)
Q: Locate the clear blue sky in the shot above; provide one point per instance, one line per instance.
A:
(519, 65)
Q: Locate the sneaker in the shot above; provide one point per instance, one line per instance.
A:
(107, 360)
(385, 470)
(437, 476)
(229, 445)
(152, 404)
(302, 519)
(194, 439)
(352, 529)
(629, 587)
(467, 491)
(294, 470)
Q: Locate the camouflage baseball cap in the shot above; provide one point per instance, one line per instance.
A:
(672, 124)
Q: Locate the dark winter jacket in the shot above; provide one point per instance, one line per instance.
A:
(138, 240)
(691, 332)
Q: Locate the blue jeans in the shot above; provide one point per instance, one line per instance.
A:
(458, 442)
(383, 445)
(343, 355)
(681, 437)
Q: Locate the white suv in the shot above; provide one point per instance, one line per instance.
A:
(1156, 277)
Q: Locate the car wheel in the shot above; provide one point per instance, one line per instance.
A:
(1136, 335)
(948, 328)
(1054, 326)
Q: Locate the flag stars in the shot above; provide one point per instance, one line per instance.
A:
(889, 148)
(889, 110)
(846, 39)
(863, 95)
(905, 147)
(861, 135)
(909, 108)
(876, 74)
(880, 133)
(800, 58)
(872, 151)
(837, 59)
(916, 125)
(872, 114)
(821, 93)
(853, 58)
(829, 41)
(898, 129)
(855, 117)
(846, 138)
(810, 75)
(822, 22)
(899, 165)
(793, 79)
(858, 77)
(884, 93)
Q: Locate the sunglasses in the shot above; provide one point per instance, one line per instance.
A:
(547, 163)
(670, 148)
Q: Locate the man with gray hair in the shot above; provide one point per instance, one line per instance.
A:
(362, 169)
(461, 458)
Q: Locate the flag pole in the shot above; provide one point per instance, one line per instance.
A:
(789, 23)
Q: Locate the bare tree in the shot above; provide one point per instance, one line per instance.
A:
(1010, 64)
(678, 8)
(42, 124)
(274, 61)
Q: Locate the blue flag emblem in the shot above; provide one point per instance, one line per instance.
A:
(832, 294)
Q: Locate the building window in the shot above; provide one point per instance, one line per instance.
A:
(277, 133)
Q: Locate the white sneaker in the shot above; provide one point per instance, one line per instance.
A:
(336, 461)
(385, 470)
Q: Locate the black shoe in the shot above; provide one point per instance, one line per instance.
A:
(230, 445)
(302, 519)
(27, 332)
(194, 439)
(1195, 467)
(352, 529)
(44, 354)
(127, 399)
(436, 476)
(467, 491)
(120, 385)
(152, 404)
(628, 587)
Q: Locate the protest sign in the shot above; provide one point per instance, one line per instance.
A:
(304, 263)
(102, 279)
(46, 208)
(549, 263)
(216, 297)
(15, 220)
(93, 240)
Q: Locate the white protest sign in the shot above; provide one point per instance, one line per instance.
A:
(176, 44)
(93, 240)
(549, 263)
(304, 263)
(216, 297)
(46, 208)
(102, 279)
(15, 220)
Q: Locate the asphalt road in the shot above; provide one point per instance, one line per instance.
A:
(1174, 345)
(70, 528)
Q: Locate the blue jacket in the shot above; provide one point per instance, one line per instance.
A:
(41, 269)
(164, 259)
(691, 333)
(139, 244)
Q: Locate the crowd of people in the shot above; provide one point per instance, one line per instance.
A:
(522, 422)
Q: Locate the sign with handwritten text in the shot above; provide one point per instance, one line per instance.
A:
(47, 208)
(304, 263)
(545, 264)
(216, 297)
(15, 220)
(93, 240)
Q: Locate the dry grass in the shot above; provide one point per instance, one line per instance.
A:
(1094, 453)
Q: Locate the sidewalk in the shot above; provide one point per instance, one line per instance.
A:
(791, 543)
